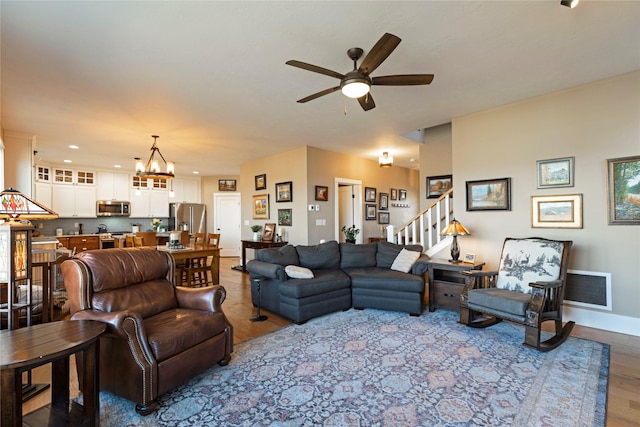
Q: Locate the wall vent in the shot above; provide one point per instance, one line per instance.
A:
(588, 289)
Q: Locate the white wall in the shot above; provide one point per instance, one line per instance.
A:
(593, 123)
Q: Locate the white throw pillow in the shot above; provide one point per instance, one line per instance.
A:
(404, 261)
(297, 272)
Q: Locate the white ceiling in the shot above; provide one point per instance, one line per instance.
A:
(210, 77)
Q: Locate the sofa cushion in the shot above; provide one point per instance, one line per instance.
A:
(323, 282)
(384, 279)
(285, 255)
(297, 272)
(404, 261)
(353, 256)
(322, 256)
(387, 253)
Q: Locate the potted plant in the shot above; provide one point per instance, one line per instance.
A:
(256, 232)
(350, 233)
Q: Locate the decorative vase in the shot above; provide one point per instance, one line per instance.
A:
(350, 240)
(256, 236)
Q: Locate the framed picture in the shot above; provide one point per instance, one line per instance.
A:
(469, 258)
(489, 195)
(284, 192)
(438, 185)
(322, 193)
(394, 194)
(261, 206)
(403, 195)
(561, 211)
(370, 212)
(383, 218)
(384, 201)
(624, 190)
(285, 216)
(369, 194)
(269, 232)
(261, 182)
(555, 172)
(226, 185)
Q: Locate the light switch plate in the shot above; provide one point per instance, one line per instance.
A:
(312, 208)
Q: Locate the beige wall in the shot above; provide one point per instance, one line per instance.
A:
(435, 158)
(208, 186)
(593, 123)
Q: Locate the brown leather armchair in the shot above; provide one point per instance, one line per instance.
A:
(158, 335)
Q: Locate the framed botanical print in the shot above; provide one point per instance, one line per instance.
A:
(383, 218)
(403, 195)
(260, 206)
(370, 212)
(261, 182)
(555, 172)
(384, 201)
(394, 194)
(369, 194)
(285, 217)
(284, 192)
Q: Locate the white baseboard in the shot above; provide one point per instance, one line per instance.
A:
(606, 321)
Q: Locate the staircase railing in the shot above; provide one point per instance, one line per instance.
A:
(424, 229)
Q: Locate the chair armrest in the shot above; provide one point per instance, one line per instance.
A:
(551, 284)
(421, 266)
(126, 325)
(209, 298)
(478, 273)
(266, 269)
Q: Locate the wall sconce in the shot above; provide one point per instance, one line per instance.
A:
(386, 160)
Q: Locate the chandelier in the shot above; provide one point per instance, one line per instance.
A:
(152, 169)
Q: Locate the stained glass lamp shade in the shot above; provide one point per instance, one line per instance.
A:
(16, 206)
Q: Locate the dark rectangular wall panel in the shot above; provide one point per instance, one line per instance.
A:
(589, 289)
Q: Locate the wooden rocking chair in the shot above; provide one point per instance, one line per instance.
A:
(528, 289)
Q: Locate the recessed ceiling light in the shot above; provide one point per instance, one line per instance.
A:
(196, 172)
(67, 161)
(74, 147)
(412, 160)
(117, 166)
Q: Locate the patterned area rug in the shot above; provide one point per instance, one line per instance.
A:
(379, 368)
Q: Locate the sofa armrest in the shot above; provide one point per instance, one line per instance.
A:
(126, 325)
(421, 266)
(209, 298)
(265, 269)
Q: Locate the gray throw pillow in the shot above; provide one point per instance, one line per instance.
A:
(323, 256)
(285, 255)
(388, 252)
(358, 256)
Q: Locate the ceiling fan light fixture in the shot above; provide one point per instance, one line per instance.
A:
(570, 3)
(385, 160)
(355, 88)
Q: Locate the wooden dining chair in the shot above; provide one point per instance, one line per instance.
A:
(148, 238)
(138, 242)
(128, 242)
(213, 240)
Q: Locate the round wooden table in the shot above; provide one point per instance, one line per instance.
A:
(27, 348)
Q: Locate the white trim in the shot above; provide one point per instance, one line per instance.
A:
(357, 184)
(607, 277)
(605, 321)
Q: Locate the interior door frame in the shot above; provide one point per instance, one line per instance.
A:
(217, 196)
(358, 206)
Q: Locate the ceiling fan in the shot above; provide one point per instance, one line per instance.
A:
(358, 82)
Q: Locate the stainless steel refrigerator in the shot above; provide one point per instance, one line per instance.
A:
(188, 216)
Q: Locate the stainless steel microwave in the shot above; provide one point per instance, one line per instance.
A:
(112, 208)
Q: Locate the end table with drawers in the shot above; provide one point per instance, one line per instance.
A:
(446, 281)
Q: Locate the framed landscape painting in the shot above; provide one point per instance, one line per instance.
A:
(555, 172)
(261, 182)
(624, 190)
(438, 185)
(561, 211)
(226, 185)
(261, 206)
(489, 195)
(284, 192)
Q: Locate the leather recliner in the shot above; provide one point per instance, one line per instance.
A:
(158, 335)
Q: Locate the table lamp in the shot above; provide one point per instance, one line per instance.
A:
(16, 206)
(455, 229)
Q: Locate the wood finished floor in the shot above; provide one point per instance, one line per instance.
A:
(623, 403)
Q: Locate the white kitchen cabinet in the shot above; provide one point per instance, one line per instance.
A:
(70, 201)
(149, 203)
(185, 190)
(42, 192)
(73, 176)
(43, 173)
(112, 186)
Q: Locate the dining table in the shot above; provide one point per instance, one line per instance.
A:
(185, 254)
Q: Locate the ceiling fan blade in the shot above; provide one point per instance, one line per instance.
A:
(318, 95)
(403, 80)
(366, 102)
(379, 52)
(315, 69)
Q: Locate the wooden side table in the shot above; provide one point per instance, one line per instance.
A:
(27, 348)
(250, 244)
(446, 283)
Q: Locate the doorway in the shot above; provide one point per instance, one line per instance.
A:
(348, 207)
(226, 221)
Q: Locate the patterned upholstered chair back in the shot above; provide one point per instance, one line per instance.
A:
(524, 261)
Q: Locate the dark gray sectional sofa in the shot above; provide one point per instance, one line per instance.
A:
(345, 275)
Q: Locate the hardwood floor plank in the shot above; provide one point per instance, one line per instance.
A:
(623, 397)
